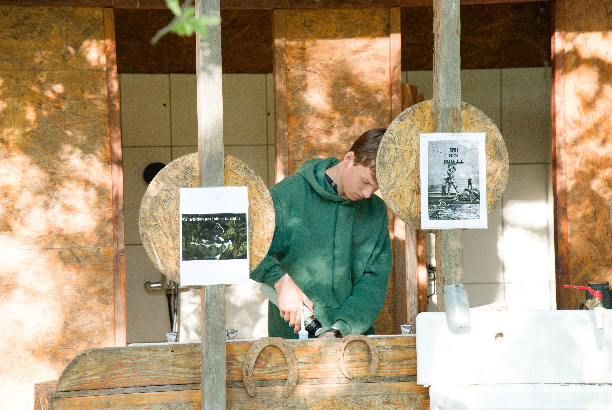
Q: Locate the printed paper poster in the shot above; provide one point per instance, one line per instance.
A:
(214, 236)
(453, 180)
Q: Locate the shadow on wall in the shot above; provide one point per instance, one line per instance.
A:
(585, 187)
(57, 287)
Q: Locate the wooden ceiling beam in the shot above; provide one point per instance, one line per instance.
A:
(252, 4)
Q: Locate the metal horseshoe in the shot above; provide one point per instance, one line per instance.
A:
(342, 347)
(249, 364)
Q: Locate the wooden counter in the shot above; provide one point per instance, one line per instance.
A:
(317, 374)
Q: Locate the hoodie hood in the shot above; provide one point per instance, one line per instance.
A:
(313, 172)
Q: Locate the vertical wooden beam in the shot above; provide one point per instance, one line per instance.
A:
(210, 159)
(395, 62)
(280, 96)
(561, 236)
(401, 289)
(114, 128)
(447, 118)
(414, 289)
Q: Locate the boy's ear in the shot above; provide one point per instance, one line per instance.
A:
(349, 157)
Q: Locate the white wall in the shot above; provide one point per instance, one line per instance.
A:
(511, 261)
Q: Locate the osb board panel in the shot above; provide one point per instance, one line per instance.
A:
(73, 38)
(337, 65)
(317, 359)
(54, 303)
(246, 43)
(55, 189)
(398, 158)
(586, 79)
(55, 195)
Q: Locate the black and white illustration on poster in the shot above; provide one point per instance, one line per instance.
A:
(454, 173)
(214, 236)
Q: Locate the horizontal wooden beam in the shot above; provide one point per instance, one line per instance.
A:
(252, 4)
(147, 364)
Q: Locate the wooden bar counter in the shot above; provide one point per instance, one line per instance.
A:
(356, 372)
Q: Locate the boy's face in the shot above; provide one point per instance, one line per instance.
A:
(357, 181)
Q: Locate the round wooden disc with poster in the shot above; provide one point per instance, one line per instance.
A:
(398, 158)
(159, 211)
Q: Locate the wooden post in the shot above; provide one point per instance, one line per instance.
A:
(210, 161)
(447, 118)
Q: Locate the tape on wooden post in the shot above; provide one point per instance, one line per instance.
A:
(249, 364)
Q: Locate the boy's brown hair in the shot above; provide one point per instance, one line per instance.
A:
(365, 148)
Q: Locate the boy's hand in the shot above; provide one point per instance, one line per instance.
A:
(290, 301)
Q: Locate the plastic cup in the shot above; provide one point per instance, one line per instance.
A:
(456, 308)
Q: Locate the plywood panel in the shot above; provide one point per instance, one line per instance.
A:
(337, 79)
(56, 233)
(583, 172)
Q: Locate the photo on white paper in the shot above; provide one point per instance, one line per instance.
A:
(453, 180)
(214, 236)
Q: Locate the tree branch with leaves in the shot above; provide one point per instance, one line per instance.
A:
(185, 23)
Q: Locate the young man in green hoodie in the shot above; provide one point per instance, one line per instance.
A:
(331, 249)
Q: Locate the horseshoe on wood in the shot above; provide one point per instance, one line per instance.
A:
(342, 347)
(249, 364)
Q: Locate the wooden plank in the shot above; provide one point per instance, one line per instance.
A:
(401, 272)
(395, 62)
(397, 226)
(582, 146)
(42, 394)
(176, 400)
(428, 3)
(447, 118)
(318, 359)
(147, 365)
(351, 395)
(561, 235)
(131, 366)
(114, 126)
(422, 277)
(346, 396)
(251, 4)
(210, 158)
(415, 285)
(280, 96)
(210, 155)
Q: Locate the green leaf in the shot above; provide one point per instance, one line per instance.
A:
(174, 7)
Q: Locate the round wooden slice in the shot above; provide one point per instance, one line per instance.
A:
(159, 211)
(398, 158)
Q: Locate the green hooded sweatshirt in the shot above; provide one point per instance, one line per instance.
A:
(336, 250)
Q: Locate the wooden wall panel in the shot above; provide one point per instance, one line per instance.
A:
(56, 237)
(337, 79)
(582, 145)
